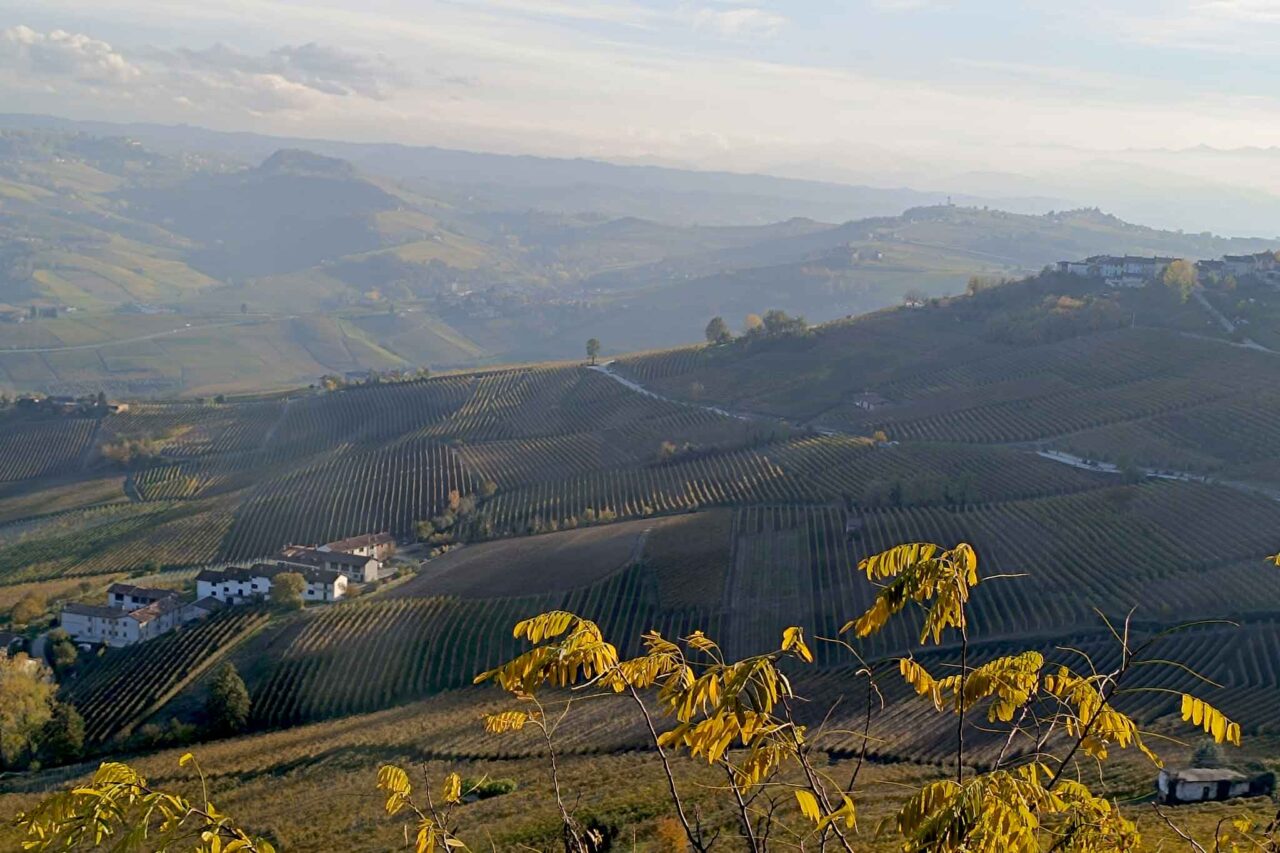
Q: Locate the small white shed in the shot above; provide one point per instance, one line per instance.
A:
(1201, 784)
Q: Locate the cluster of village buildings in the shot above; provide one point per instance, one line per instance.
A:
(1132, 271)
(133, 614)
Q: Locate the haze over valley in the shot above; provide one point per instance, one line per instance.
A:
(684, 426)
(179, 262)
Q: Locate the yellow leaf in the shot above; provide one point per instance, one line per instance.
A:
(452, 788)
(808, 805)
(1214, 722)
(793, 641)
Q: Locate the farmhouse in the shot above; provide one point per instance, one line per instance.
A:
(1200, 784)
(379, 546)
(361, 569)
(123, 596)
(1262, 264)
(132, 614)
(868, 400)
(241, 585)
(1118, 271)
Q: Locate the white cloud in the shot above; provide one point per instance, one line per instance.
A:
(324, 69)
(287, 78)
(1218, 26)
(747, 22)
(906, 5)
(59, 54)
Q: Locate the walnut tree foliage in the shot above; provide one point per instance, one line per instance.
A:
(118, 810)
(740, 718)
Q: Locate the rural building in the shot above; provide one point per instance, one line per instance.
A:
(379, 546)
(1211, 268)
(1118, 271)
(869, 400)
(1259, 265)
(123, 596)
(132, 614)
(1200, 784)
(361, 569)
(241, 585)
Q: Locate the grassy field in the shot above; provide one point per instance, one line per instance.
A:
(283, 783)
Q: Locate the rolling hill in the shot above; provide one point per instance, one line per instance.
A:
(298, 263)
(730, 488)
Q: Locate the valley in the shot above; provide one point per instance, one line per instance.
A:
(218, 374)
(175, 272)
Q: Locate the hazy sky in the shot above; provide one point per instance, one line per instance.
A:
(830, 88)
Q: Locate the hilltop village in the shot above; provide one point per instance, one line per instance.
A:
(1131, 271)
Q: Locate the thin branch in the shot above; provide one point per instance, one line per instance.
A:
(1195, 845)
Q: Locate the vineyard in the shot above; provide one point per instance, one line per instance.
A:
(351, 658)
(1240, 659)
(652, 513)
(195, 429)
(112, 538)
(120, 688)
(387, 488)
(38, 448)
(741, 574)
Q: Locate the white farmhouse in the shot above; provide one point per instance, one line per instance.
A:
(132, 614)
(241, 585)
(1201, 784)
(379, 546)
(361, 568)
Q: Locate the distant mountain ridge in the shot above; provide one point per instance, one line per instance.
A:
(570, 185)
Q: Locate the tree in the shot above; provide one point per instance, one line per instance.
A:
(593, 349)
(287, 590)
(26, 704)
(118, 799)
(63, 737)
(28, 609)
(753, 325)
(778, 322)
(1207, 754)
(62, 651)
(718, 331)
(1180, 277)
(740, 715)
(228, 704)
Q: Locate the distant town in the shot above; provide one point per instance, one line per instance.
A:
(1132, 271)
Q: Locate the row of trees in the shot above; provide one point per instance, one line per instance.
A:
(333, 382)
(774, 323)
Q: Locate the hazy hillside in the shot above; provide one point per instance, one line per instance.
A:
(519, 183)
(189, 273)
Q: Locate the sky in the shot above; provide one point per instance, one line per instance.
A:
(879, 91)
